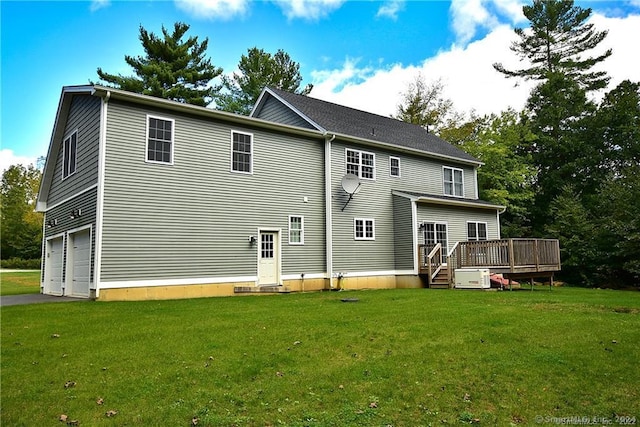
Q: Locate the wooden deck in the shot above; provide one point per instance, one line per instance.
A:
(515, 258)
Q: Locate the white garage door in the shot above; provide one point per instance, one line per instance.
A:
(53, 267)
(79, 261)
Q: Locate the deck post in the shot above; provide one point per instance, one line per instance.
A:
(511, 263)
(536, 254)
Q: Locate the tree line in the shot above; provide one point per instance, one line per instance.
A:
(566, 166)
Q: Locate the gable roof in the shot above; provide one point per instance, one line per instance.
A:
(345, 121)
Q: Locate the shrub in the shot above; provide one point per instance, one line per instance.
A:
(22, 264)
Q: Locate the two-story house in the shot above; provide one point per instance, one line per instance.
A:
(146, 198)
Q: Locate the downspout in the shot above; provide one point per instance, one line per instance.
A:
(328, 200)
(102, 153)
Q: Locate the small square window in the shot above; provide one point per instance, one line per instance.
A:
(361, 163)
(364, 229)
(476, 231)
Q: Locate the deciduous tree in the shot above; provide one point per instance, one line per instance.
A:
(424, 105)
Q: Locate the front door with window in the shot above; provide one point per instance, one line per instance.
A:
(269, 258)
(434, 233)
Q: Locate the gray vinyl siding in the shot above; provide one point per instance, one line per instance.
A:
(192, 219)
(273, 110)
(84, 116)
(417, 173)
(87, 203)
(403, 231)
(456, 219)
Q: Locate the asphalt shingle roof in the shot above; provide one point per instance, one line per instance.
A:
(337, 118)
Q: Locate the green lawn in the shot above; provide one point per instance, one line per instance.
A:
(22, 282)
(395, 357)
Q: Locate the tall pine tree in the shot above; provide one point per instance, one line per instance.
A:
(259, 69)
(556, 42)
(171, 68)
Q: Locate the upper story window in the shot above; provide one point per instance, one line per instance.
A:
(361, 163)
(394, 166)
(159, 140)
(296, 230)
(70, 155)
(364, 229)
(241, 152)
(452, 178)
(476, 231)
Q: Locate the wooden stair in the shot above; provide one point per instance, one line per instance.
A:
(441, 281)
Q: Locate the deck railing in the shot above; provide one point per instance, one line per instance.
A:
(500, 256)
(508, 255)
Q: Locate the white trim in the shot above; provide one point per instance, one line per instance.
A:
(453, 169)
(414, 247)
(239, 132)
(328, 201)
(435, 231)
(47, 270)
(498, 223)
(391, 167)
(301, 242)
(378, 273)
(475, 183)
(450, 202)
(364, 229)
(146, 140)
(306, 276)
(259, 105)
(177, 282)
(80, 193)
(102, 149)
(64, 154)
(360, 152)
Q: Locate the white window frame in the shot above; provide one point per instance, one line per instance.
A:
(301, 230)
(445, 248)
(364, 221)
(66, 163)
(391, 159)
(250, 172)
(173, 130)
(477, 237)
(359, 164)
(453, 182)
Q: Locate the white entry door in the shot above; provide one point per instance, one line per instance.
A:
(53, 266)
(269, 258)
(79, 264)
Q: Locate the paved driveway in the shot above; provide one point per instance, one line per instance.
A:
(34, 299)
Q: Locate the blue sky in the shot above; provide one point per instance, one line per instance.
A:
(357, 53)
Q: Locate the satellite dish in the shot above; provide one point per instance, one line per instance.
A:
(351, 184)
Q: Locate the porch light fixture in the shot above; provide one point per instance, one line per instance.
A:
(52, 223)
(252, 240)
(76, 213)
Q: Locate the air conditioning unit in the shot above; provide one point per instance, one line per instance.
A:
(472, 278)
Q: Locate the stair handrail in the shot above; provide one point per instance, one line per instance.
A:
(437, 250)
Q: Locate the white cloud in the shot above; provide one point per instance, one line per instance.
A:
(99, 4)
(8, 158)
(308, 9)
(390, 9)
(467, 16)
(467, 73)
(214, 9)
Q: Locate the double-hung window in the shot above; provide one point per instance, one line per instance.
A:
(394, 166)
(159, 140)
(476, 231)
(361, 163)
(70, 155)
(364, 229)
(453, 181)
(296, 230)
(241, 152)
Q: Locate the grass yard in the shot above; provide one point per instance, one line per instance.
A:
(395, 357)
(19, 282)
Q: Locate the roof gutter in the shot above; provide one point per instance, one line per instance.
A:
(449, 202)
